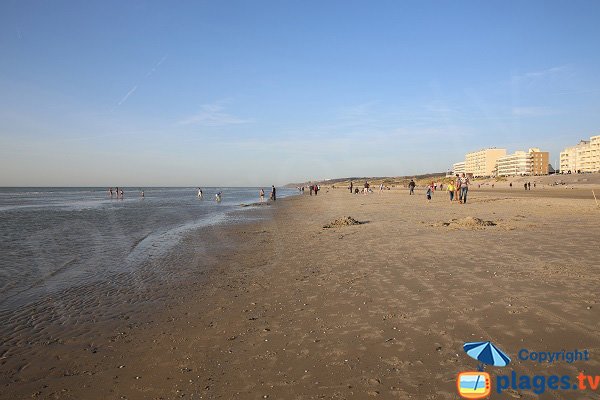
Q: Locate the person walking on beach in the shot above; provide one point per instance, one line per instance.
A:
(450, 189)
(366, 188)
(261, 195)
(273, 193)
(464, 188)
(351, 186)
(411, 187)
(528, 185)
(429, 193)
(525, 185)
(381, 188)
(316, 189)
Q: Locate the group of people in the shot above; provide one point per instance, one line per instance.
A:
(118, 193)
(366, 188)
(218, 195)
(458, 188)
(273, 196)
(312, 189)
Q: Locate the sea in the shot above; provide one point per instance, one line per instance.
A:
(56, 241)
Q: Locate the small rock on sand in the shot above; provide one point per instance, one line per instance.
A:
(345, 221)
(467, 222)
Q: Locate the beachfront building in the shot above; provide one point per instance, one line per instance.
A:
(539, 161)
(530, 162)
(583, 157)
(458, 168)
(483, 162)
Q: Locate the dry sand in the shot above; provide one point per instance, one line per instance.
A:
(292, 310)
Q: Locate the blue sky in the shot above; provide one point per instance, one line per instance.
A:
(259, 92)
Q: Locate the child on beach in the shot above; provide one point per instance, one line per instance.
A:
(429, 193)
(450, 189)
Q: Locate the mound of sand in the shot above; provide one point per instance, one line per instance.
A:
(345, 221)
(467, 222)
(255, 204)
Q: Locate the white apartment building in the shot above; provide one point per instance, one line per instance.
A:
(458, 168)
(583, 157)
(483, 162)
(530, 162)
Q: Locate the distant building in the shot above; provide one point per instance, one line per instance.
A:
(458, 168)
(531, 162)
(583, 157)
(539, 161)
(483, 162)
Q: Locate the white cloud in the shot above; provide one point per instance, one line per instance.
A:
(532, 111)
(213, 115)
(544, 76)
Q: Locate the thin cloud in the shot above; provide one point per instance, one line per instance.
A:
(213, 115)
(156, 66)
(541, 75)
(532, 111)
(124, 99)
(146, 76)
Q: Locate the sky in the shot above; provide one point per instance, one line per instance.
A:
(245, 93)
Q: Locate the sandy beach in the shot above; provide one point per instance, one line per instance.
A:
(292, 310)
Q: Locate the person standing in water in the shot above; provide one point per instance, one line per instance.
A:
(261, 195)
(142, 194)
(199, 193)
(273, 193)
(122, 194)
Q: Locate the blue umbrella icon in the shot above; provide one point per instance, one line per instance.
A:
(486, 353)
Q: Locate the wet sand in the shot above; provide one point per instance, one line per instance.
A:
(292, 310)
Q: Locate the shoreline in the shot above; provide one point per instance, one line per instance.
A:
(292, 310)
